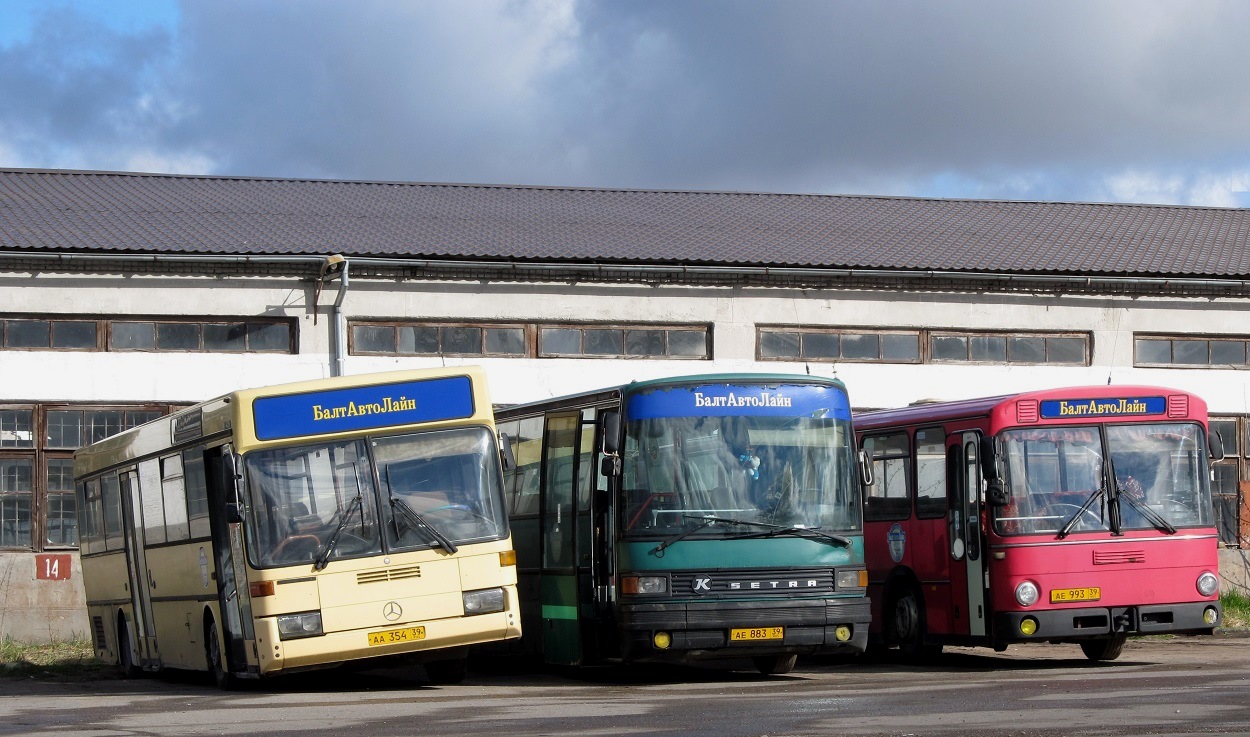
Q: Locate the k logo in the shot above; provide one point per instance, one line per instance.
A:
(701, 584)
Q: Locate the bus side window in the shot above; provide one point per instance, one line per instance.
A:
(889, 497)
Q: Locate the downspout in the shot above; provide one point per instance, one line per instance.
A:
(335, 267)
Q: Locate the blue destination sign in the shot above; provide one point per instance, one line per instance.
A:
(721, 400)
(1061, 409)
(363, 407)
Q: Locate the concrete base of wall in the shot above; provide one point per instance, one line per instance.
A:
(36, 610)
(1235, 571)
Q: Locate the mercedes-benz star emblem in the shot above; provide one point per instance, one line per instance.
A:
(392, 611)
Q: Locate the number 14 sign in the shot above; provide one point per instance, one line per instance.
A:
(52, 567)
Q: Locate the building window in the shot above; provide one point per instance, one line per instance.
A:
(1232, 517)
(920, 346)
(1009, 348)
(1190, 352)
(38, 503)
(194, 336)
(787, 344)
(529, 340)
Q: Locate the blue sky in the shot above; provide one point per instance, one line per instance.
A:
(1080, 100)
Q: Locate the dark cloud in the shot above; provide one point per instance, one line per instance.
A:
(1136, 101)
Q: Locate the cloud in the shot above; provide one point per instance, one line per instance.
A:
(1069, 100)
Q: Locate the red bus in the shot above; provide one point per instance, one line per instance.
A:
(1078, 515)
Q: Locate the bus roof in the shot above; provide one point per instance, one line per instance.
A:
(998, 405)
(234, 411)
(615, 392)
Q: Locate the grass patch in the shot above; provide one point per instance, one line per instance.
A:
(74, 657)
(1236, 609)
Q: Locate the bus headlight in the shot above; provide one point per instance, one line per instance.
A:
(851, 579)
(295, 626)
(1208, 584)
(483, 601)
(1026, 593)
(644, 584)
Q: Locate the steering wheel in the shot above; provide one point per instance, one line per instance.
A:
(297, 547)
(1089, 519)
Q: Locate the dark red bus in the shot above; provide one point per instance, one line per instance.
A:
(1076, 515)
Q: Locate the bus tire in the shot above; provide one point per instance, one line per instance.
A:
(125, 653)
(909, 626)
(775, 665)
(1105, 649)
(446, 672)
(225, 680)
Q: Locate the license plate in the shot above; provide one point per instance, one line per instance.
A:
(1089, 593)
(389, 637)
(757, 633)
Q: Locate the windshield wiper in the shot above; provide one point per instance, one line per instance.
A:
(323, 557)
(416, 521)
(771, 530)
(1067, 527)
(1151, 515)
(814, 533)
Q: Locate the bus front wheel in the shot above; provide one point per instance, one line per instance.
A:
(125, 653)
(774, 665)
(225, 680)
(1106, 649)
(446, 672)
(909, 626)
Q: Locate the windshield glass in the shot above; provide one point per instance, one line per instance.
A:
(449, 479)
(319, 503)
(300, 495)
(1056, 478)
(774, 468)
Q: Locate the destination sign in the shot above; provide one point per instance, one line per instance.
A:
(720, 400)
(1062, 409)
(362, 407)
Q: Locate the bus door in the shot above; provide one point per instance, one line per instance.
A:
(137, 569)
(967, 540)
(558, 585)
(234, 601)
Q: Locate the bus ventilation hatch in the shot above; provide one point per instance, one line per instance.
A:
(1111, 557)
(1026, 411)
(97, 624)
(388, 574)
(1178, 406)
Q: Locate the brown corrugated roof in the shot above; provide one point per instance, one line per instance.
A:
(114, 213)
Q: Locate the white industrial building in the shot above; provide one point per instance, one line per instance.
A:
(122, 295)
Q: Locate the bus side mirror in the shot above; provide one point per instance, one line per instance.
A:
(865, 469)
(989, 460)
(610, 466)
(1215, 446)
(610, 426)
(507, 458)
(997, 494)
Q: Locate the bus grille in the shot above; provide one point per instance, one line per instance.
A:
(97, 624)
(1112, 557)
(753, 582)
(388, 574)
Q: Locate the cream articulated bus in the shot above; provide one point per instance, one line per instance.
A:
(301, 526)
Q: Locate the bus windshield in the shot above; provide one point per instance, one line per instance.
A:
(321, 502)
(1057, 479)
(679, 472)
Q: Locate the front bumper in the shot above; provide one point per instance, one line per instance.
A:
(700, 630)
(1084, 623)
